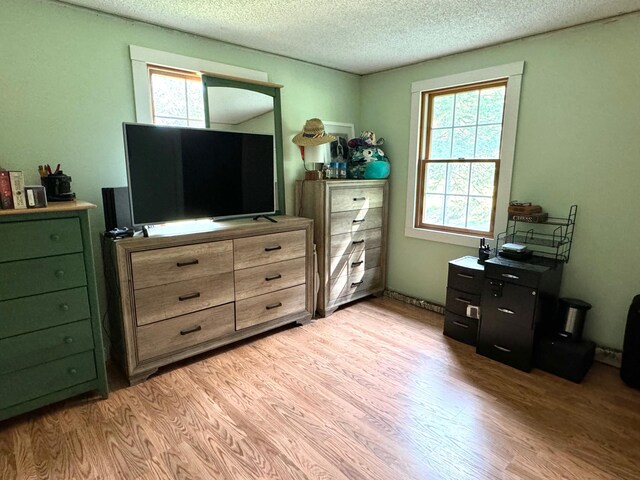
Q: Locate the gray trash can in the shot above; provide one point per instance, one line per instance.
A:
(573, 313)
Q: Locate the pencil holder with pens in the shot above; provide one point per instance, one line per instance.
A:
(57, 185)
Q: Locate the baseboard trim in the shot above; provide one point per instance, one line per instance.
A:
(606, 355)
(417, 302)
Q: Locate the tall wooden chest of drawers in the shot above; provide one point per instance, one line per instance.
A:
(50, 333)
(350, 232)
(173, 297)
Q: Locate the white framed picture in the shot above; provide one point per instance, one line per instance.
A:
(338, 149)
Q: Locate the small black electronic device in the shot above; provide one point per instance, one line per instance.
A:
(117, 209)
(119, 233)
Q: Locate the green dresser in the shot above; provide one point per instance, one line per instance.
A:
(50, 333)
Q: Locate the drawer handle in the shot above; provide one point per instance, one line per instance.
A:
(356, 242)
(190, 330)
(68, 340)
(54, 237)
(464, 275)
(189, 296)
(273, 277)
(359, 220)
(273, 305)
(508, 275)
(355, 284)
(463, 300)
(357, 264)
(59, 273)
(271, 249)
(460, 324)
(64, 307)
(506, 310)
(187, 263)
(502, 349)
(72, 371)
(359, 199)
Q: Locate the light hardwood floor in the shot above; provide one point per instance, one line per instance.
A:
(373, 392)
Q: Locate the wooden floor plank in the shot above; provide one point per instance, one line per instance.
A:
(374, 392)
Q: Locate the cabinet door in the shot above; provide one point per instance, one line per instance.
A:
(512, 304)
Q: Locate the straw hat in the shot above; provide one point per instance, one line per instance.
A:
(313, 134)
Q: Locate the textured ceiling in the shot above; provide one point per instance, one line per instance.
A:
(366, 36)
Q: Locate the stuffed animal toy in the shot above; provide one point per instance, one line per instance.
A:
(367, 157)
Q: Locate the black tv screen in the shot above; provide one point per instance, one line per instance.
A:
(180, 173)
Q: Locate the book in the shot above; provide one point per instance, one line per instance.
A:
(17, 189)
(6, 198)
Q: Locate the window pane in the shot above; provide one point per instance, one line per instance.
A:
(480, 213)
(173, 122)
(488, 143)
(491, 105)
(482, 179)
(455, 212)
(440, 146)
(195, 100)
(169, 96)
(442, 111)
(466, 110)
(433, 211)
(436, 178)
(464, 139)
(458, 179)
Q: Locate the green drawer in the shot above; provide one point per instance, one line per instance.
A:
(29, 383)
(34, 348)
(28, 314)
(30, 277)
(39, 238)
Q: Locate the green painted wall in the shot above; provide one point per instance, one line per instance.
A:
(578, 141)
(66, 88)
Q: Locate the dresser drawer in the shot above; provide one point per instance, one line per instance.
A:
(31, 277)
(359, 198)
(270, 306)
(357, 283)
(465, 279)
(30, 349)
(179, 333)
(463, 329)
(354, 220)
(348, 243)
(358, 261)
(165, 301)
(251, 282)
(264, 249)
(33, 382)
(166, 265)
(23, 315)
(513, 304)
(457, 301)
(40, 238)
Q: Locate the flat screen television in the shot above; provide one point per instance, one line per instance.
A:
(179, 173)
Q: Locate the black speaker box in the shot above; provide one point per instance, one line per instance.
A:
(630, 368)
(117, 210)
(566, 359)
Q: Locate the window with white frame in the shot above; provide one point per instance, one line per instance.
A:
(176, 97)
(463, 137)
(165, 88)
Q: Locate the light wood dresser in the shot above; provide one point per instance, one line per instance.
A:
(350, 218)
(50, 332)
(176, 296)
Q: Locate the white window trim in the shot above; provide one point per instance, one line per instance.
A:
(141, 57)
(513, 73)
